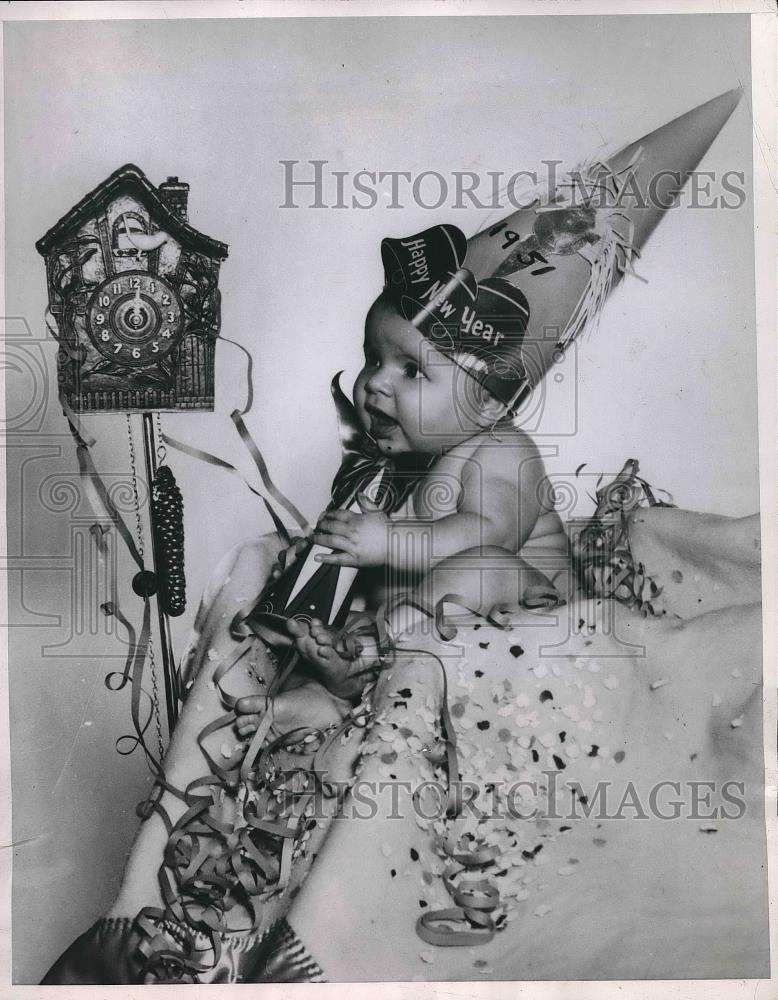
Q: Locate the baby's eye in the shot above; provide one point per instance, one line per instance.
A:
(412, 370)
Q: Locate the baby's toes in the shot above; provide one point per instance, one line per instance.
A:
(306, 647)
(246, 724)
(321, 633)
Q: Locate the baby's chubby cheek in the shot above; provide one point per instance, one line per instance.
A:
(360, 397)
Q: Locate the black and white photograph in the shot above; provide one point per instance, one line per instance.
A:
(390, 497)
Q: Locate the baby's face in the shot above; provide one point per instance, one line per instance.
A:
(410, 397)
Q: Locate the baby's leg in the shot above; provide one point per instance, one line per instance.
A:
(482, 578)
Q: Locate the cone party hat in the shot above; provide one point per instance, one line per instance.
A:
(513, 297)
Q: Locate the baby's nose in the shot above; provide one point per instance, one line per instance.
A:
(379, 382)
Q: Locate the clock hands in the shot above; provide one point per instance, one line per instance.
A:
(136, 313)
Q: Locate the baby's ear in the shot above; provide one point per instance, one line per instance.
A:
(490, 409)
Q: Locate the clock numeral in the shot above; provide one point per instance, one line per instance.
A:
(134, 283)
(105, 335)
(116, 288)
(100, 318)
(152, 287)
(167, 334)
(166, 299)
(117, 348)
(155, 347)
(171, 316)
(136, 352)
(104, 300)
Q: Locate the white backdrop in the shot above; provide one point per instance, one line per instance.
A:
(669, 377)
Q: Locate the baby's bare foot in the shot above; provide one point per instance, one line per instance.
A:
(309, 706)
(319, 645)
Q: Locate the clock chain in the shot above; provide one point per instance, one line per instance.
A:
(139, 532)
(161, 449)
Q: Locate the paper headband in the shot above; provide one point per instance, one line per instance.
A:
(480, 325)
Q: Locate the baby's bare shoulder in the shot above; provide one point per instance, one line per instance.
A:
(508, 453)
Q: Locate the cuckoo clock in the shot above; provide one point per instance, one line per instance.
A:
(134, 291)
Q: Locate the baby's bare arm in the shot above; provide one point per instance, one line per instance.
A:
(498, 506)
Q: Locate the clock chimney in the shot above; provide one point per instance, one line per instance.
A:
(175, 194)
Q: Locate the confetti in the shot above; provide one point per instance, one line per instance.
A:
(542, 910)
(655, 685)
(737, 673)
(522, 700)
(571, 712)
(386, 850)
(540, 670)
(611, 682)
(427, 956)
(566, 870)
(737, 723)
(516, 651)
(212, 655)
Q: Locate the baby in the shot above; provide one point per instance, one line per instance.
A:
(443, 370)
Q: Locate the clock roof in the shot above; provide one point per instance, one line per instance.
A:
(130, 178)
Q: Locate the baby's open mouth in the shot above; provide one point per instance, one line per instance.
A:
(381, 424)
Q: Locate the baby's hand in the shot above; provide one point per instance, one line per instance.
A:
(288, 556)
(360, 538)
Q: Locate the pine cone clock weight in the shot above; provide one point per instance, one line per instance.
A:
(168, 521)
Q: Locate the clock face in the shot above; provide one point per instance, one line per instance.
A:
(135, 319)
